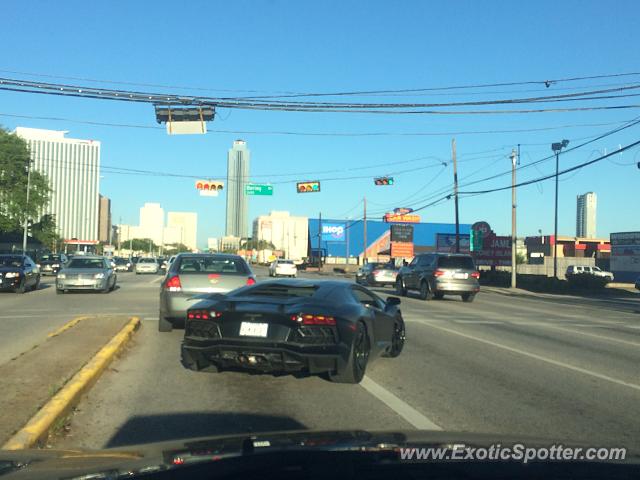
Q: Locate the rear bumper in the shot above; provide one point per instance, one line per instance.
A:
(265, 356)
(453, 286)
(381, 280)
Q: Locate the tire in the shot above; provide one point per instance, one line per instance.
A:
(194, 364)
(468, 297)
(22, 288)
(400, 288)
(356, 367)
(425, 291)
(59, 291)
(164, 325)
(36, 286)
(397, 340)
(438, 295)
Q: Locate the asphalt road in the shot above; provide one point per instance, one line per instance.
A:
(564, 369)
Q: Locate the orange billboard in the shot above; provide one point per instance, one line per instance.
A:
(401, 249)
(401, 217)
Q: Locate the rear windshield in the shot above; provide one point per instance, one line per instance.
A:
(212, 265)
(146, 260)
(279, 290)
(10, 261)
(288, 262)
(121, 261)
(86, 263)
(465, 263)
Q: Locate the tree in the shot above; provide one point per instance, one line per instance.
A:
(15, 161)
(521, 259)
(252, 244)
(45, 231)
(143, 245)
(175, 248)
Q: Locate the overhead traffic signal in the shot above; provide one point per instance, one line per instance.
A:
(383, 181)
(307, 187)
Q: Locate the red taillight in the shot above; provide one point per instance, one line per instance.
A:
(251, 281)
(173, 284)
(309, 319)
(201, 314)
(439, 273)
(475, 275)
(376, 272)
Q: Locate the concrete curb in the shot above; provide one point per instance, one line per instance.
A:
(38, 427)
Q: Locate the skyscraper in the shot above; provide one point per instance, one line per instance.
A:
(152, 222)
(72, 167)
(187, 222)
(586, 215)
(238, 160)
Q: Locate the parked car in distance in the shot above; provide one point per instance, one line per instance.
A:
(311, 327)
(377, 274)
(122, 264)
(434, 275)
(87, 272)
(51, 263)
(192, 274)
(588, 270)
(146, 265)
(18, 273)
(283, 268)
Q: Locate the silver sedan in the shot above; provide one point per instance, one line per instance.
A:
(86, 273)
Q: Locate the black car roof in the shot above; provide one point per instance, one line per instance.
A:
(206, 255)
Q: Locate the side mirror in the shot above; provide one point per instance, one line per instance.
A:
(392, 301)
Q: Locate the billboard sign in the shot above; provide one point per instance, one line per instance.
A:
(492, 250)
(625, 256)
(446, 242)
(402, 249)
(393, 217)
(401, 233)
(333, 232)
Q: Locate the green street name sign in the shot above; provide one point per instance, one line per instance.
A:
(256, 189)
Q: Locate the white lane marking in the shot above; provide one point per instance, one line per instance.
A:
(410, 414)
(539, 357)
(156, 280)
(594, 335)
(150, 318)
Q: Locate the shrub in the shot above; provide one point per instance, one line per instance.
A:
(586, 282)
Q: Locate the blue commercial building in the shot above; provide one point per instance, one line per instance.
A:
(342, 238)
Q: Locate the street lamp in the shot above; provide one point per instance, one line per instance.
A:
(557, 147)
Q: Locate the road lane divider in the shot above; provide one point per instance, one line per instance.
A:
(406, 411)
(70, 324)
(38, 427)
(534, 356)
(155, 280)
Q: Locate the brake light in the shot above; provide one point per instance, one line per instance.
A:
(439, 273)
(201, 314)
(251, 281)
(309, 319)
(173, 284)
(475, 275)
(376, 272)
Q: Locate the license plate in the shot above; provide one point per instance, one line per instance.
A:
(250, 329)
(461, 275)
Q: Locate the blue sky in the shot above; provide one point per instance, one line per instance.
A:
(337, 46)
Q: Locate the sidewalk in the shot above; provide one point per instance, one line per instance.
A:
(28, 381)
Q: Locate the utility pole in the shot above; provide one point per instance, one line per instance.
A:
(557, 148)
(26, 220)
(319, 241)
(364, 252)
(455, 192)
(119, 235)
(513, 219)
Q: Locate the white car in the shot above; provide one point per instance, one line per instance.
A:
(588, 270)
(147, 265)
(284, 268)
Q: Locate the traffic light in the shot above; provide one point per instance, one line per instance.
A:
(308, 187)
(383, 181)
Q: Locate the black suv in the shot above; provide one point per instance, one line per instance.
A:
(437, 274)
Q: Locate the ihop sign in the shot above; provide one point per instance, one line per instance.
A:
(333, 232)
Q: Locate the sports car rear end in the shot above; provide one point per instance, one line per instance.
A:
(278, 327)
